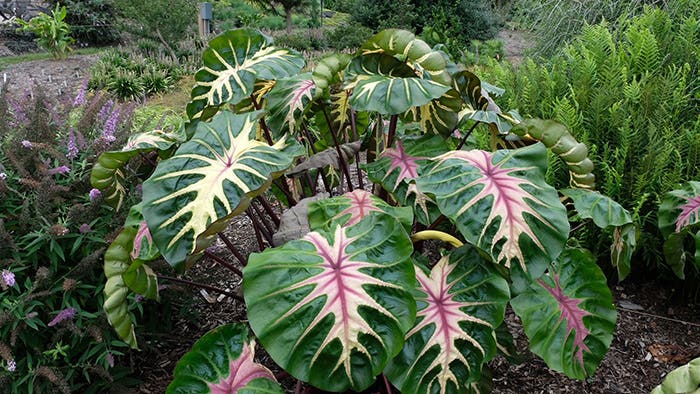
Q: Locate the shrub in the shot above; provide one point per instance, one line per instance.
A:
(347, 36)
(53, 33)
(303, 40)
(54, 230)
(92, 21)
(378, 15)
(631, 95)
(461, 21)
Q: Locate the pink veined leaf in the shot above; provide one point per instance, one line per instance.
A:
(573, 314)
(296, 103)
(341, 283)
(360, 205)
(509, 203)
(241, 371)
(690, 213)
(444, 312)
(421, 198)
(142, 233)
(404, 162)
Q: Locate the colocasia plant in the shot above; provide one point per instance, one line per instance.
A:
(346, 297)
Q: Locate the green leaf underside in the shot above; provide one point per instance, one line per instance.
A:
(141, 279)
(568, 315)
(116, 263)
(287, 102)
(350, 208)
(222, 362)
(604, 211)
(396, 167)
(333, 308)
(685, 379)
(210, 179)
(232, 63)
(501, 203)
(384, 84)
(680, 209)
(460, 304)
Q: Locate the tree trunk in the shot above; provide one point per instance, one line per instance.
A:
(288, 14)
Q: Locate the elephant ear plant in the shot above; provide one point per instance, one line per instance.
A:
(347, 298)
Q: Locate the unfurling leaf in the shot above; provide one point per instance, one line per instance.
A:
(222, 362)
(568, 315)
(117, 261)
(332, 308)
(460, 303)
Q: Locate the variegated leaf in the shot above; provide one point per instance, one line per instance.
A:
(222, 362)
(288, 101)
(461, 302)
(108, 172)
(383, 84)
(332, 308)
(568, 315)
(232, 63)
(439, 116)
(350, 208)
(397, 168)
(141, 279)
(210, 179)
(680, 209)
(501, 203)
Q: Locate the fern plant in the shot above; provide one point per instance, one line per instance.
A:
(631, 95)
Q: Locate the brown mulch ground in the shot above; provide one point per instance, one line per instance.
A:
(53, 77)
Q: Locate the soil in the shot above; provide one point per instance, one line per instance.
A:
(653, 335)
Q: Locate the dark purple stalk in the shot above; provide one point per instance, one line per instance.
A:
(392, 131)
(270, 212)
(353, 127)
(148, 159)
(264, 222)
(202, 286)
(387, 384)
(309, 138)
(464, 139)
(257, 228)
(233, 249)
(282, 185)
(263, 125)
(223, 263)
(437, 222)
(341, 159)
(297, 389)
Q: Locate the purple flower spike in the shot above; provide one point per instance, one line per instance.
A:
(8, 277)
(26, 144)
(11, 366)
(95, 194)
(72, 147)
(59, 170)
(65, 314)
(80, 98)
(84, 228)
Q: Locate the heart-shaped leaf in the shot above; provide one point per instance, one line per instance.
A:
(222, 362)
(460, 302)
(210, 179)
(439, 116)
(604, 211)
(350, 208)
(680, 209)
(386, 85)
(501, 203)
(568, 315)
(232, 63)
(287, 102)
(108, 172)
(332, 308)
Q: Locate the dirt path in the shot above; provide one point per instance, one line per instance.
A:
(515, 44)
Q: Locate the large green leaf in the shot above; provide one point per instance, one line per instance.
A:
(350, 208)
(210, 179)
(501, 203)
(439, 116)
(117, 262)
(288, 101)
(332, 308)
(461, 302)
(568, 315)
(222, 362)
(386, 85)
(680, 209)
(685, 379)
(108, 172)
(232, 63)
(141, 279)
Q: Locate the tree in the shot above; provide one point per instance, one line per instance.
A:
(287, 6)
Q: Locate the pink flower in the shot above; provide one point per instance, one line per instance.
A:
(65, 314)
(84, 228)
(59, 170)
(8, 277)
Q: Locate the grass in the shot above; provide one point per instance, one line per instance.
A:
(28, 57)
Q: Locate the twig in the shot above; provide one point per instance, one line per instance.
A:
(203, 286)
(660, 317)
(341, 159)
(221, 261)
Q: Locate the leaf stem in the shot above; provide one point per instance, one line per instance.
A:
(438, 235)
(353, 127)
(258, 211)
(387, 384)
(263, 125)
(464, 139)
(341, 159)
(257, 228)
(309, 138)
(202, 286)
(392, 131)
(270, 211)
(233, 249)
(223, 263)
